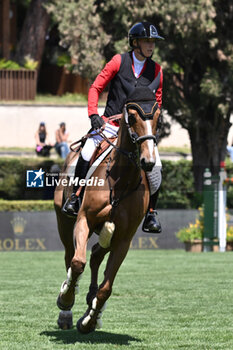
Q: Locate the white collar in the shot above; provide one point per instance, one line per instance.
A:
(141, 63)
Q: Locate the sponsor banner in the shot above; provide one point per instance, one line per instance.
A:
(37, 231)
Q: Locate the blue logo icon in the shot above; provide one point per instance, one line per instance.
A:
(35, 178)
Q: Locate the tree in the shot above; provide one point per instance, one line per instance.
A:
(197, 58)
(33, 34)
(81, 33)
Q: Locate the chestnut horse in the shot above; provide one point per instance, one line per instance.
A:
(114, 209)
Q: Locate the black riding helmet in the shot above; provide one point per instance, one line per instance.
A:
(143, 30)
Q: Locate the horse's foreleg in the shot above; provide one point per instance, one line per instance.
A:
(65, 228)
(66, 297)
(97, 256)
(92, 318)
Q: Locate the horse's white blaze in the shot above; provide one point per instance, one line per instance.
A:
(150, 142)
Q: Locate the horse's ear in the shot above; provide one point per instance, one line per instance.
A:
(155, 84)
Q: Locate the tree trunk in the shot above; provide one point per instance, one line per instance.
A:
(5, 24)
(32, 37)
(208, 147)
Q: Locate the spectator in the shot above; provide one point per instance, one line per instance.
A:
(230, 151)
(42, 148)
(61, 144)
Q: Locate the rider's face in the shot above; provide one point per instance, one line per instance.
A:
(147, 46)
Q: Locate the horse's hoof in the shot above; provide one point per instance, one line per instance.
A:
(63, 307)
(84, 329)
(65, 320)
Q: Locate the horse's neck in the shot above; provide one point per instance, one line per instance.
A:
(122, 159)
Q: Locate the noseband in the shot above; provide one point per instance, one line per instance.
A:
(146, 111)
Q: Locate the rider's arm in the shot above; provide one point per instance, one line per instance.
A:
(101, 81)
(159, 91)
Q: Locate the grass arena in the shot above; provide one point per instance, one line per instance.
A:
(161, 299)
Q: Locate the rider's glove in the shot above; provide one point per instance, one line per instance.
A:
(96, 121)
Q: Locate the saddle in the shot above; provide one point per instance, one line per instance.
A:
(101, 148)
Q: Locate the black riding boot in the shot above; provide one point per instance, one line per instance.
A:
(72, 204)
(151, 223)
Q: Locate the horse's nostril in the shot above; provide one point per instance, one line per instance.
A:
(147, 166)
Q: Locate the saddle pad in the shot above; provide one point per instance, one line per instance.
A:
(99, 160)
(101, 155)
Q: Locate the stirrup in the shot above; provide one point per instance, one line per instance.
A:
(151, 224)
(71, 209)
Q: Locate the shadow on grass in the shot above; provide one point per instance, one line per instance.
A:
(73, 336)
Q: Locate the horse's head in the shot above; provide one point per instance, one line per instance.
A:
(141, 116)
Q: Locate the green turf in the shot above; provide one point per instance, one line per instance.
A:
(161, 300)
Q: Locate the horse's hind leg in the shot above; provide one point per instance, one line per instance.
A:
(92, 318)
(97, 255)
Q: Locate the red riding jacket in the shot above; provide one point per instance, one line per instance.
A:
(122, 66)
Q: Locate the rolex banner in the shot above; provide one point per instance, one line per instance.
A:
(37, 231)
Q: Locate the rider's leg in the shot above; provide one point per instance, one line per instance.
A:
(72, 204)
(151, 223)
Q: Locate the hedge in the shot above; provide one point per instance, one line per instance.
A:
(26, 205)
(13, 177)
(177, 190)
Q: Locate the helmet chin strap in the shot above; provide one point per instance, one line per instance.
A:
(140, 50)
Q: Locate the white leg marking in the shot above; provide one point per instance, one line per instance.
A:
(65, 285)
(150, 142)
(106, 233)
(91, 313)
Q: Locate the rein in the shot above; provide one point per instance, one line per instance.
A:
(89, 134)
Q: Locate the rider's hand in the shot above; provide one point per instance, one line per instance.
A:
(96, 121)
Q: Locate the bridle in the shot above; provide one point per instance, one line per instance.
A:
(145, 114)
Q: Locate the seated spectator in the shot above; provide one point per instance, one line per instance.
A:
(61, 144)
(230, 151)
(42, 148)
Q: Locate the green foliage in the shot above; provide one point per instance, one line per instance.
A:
(190, 233)
(196, 230)
(193, 231)
(4, 64)
(26, 205)
(66, 99)
(29, 63)
(13, 177)
(177, 189)
(63, 60)
(196, 56)
(82, 33)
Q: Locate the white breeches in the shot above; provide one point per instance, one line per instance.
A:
(93, 142)
(154, 177)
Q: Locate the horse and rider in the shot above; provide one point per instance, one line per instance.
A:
(137, 69)
(131, 172)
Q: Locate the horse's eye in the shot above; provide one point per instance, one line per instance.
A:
(132, 119)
